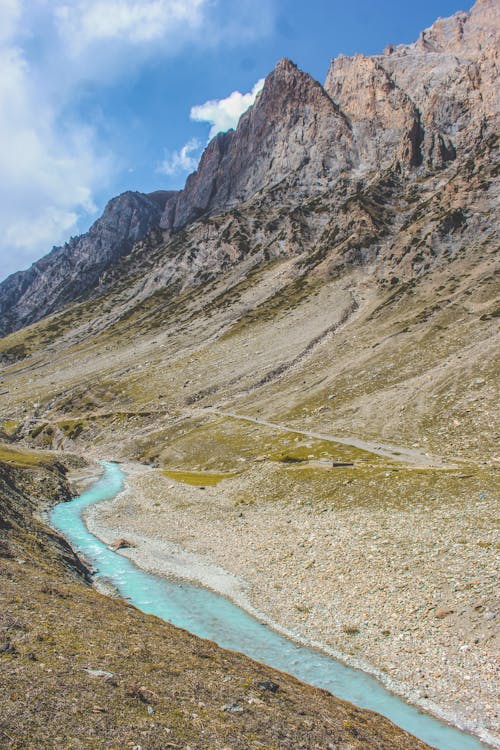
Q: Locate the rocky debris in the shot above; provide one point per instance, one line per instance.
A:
(122, 544)
(7, 648)
(143, 694)
(401, 587)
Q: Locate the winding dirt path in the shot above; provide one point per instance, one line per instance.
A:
(397, 453)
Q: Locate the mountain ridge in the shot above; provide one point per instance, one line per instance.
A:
(69, 271)
(298, 141)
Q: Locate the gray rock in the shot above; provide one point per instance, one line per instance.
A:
(99, 673)
(70, 272)
(293, 133)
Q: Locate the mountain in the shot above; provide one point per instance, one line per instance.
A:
(69, 272)
(296, 359)
(418, 120)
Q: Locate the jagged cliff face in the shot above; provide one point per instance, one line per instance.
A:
(390, 163)
(70, 271)
(294, 134)
(427, 102)
(416, 105)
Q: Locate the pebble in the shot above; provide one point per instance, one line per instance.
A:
(99, 673)
(442, 612)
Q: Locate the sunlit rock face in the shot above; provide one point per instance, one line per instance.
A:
(414, 124)
(294, 133)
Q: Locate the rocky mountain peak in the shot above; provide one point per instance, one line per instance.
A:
(293, 131)
(420, 104)
(412, 111)
(286, 65)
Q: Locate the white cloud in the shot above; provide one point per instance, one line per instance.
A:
(182, 161)
(50, 160)
(10, 13)
(224, 114)
(51, 163)
(84, 22)
(48, 170)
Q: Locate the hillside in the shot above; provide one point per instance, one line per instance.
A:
(309, 332)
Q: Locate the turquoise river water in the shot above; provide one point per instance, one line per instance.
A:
(209, 615)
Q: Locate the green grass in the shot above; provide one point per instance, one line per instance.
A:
(24, 457)
(223, 446)
(198, 478)
(9, 426)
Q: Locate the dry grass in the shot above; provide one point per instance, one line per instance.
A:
(14, 455)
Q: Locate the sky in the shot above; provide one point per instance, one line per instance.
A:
(102, 96)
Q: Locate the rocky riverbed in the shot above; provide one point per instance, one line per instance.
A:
(406, 591)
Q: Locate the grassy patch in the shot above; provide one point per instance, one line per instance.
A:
(9, 426)
(198, 478)
(223, 445)
(24, 457)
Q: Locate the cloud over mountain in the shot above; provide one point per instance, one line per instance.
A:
(59, 152)
(223, 114)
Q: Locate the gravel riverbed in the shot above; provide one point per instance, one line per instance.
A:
(407, 593)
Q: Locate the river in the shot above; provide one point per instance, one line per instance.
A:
(209, 615)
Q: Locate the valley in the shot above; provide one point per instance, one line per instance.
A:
(294, 360)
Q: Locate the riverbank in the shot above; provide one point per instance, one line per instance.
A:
(80, 670)
(427, 639)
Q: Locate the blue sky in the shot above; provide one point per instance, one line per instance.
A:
(102, 96)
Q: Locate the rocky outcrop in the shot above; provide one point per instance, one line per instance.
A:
(423, 103)
(294, 136)
(385, 121)
(325, 170)
(31, 482)
(71, 271)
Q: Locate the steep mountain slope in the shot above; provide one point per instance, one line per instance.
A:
(342, 171)
(71, 271)
(294, 136)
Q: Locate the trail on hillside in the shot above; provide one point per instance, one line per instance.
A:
(415, 458)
